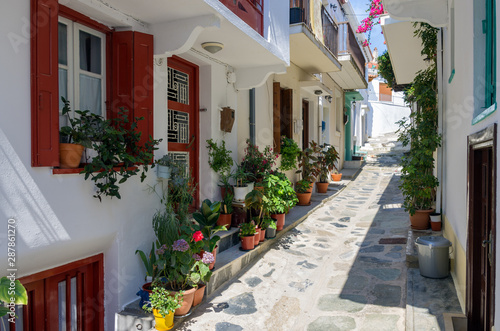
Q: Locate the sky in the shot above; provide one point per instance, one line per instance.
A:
(376, 38)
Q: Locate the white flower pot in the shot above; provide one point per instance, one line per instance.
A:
(435, 218)
(240, 193)
(250, 187)
(163, 171)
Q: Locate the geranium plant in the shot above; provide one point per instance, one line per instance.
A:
(207, 226)
(256, 162)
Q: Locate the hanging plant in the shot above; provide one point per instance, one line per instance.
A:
(374, 11)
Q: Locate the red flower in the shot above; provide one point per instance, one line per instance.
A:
(197, 236)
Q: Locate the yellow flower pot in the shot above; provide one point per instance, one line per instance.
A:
(163, 323)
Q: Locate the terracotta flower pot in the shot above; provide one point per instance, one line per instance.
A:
(262, 235)
(256, 237)
(70, 155)
(247, 243)
(436, 226)
(420, 220)
(187, 302)
(304, 198)
(322, 187)
(198, 295)
(163, 323)
(280, 221)
(225, 219)
(336, 177)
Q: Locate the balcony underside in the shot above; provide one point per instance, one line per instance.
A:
(309, 53)
(350, 77)
(404, 49)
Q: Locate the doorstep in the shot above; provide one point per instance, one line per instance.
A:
(231, 260)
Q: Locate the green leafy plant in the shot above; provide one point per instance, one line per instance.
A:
(253, 202)
(240, 176)
(247, 229)
(256, 163)
(302, 186)
(220, 160)
(227, 204)
(326, 160)
(12, 293)
(278, 196)
(181, 189)
(149, 262)
(418, 184)
(207, 223)
(163, 301)
(289, 153)
(200, 273)
(307, 162)
(82, 126)
(268, 223)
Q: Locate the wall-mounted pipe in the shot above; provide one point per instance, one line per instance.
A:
(251, 94)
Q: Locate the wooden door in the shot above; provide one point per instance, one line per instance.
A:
(305, 119)
(183, 116)
(480, 303)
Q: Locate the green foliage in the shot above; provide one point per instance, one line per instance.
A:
(327, 159)
(149, 262)
(181, 189)
(207, 223)
(200, 273)
(289, 153)
(163, 301)
(257, 163)
(302, 186)
(279, 195)
(307, 162)
(385, 69)
(241, 177)
(227, 204)
(11, 292)
(219, 158)
(166, 226)
(253, 201)
(82, 127)
(247, 229)
(119, 155)
(268, 223)
(418, 183)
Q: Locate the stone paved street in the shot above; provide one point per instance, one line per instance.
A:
(343, 268)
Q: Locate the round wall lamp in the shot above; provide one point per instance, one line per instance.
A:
(318, 92)
(212, 46)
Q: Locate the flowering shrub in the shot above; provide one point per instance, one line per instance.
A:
(197, 236)
(256, 162)
(376, 9)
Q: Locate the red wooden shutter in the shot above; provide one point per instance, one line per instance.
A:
(44, 84)
(143, 83)
(133, 78)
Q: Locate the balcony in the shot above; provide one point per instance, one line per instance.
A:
(250, 11)
(351, 58)
(313, 47)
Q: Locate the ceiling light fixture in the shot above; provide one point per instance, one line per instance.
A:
(212, 46)
(318, 92)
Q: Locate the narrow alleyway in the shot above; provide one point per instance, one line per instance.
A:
(343, 268)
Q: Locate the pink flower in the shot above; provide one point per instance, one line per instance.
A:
(197, 236)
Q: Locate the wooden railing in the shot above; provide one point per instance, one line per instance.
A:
(250, 11)
(349, 45)
(300, 13)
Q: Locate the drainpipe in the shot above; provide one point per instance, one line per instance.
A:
(441, 108)
(251, 94)
(347, 131)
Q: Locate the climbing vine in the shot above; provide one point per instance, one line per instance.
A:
(419, 131)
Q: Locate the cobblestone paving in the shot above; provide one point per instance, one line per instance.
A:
(330, 272)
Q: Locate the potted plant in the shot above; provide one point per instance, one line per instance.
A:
(325, 162)
(435, 221)
(207, 218)
(220, 160)
(76, 136)
(226, 211)
(336, 176)
(163, 166)
(278, 197)
(308, 167)
(201, 272)
(180, 191)
(302, 189)
(253, 204)
(163, 305)
(257, 163)
(150, 266)
(240, 188)
(289, 153)
(247, 234)
(119, 155)
(269, 225)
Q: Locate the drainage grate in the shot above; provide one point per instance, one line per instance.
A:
(392, 241)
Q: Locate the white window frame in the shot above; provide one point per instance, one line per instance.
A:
(73, 67)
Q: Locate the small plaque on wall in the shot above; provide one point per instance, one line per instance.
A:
(226, 119)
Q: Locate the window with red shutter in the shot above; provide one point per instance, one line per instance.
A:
(79, 73)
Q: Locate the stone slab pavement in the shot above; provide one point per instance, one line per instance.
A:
(332, 272)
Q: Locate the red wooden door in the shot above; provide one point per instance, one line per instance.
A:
(183, 117)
